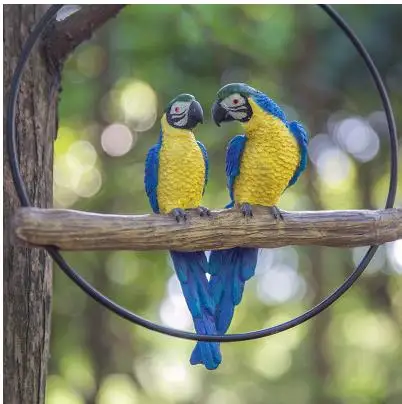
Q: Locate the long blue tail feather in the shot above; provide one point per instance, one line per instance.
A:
(229, 269)
(191, 269)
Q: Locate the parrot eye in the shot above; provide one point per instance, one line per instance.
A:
(179, 107)
(234, 101)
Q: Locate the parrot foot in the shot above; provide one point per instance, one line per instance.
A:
(178, 214)
(275, 212)
(246, 209)
(203, 211)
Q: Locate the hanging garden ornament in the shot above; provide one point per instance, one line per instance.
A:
(12, 135)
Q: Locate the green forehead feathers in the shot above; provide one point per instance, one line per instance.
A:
(233, 88)
(180, 97)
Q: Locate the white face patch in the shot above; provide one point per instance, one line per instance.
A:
(235, 104)
(238, 115)
(180, 110)
(182, 121)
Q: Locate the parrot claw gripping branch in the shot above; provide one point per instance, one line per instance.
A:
(178, 193)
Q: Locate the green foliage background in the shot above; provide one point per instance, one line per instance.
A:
(126, 74)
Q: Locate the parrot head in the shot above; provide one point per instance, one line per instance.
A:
(184, 112)
(233, 104)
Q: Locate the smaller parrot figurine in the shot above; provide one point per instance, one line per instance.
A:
(176, 173)
(260, 165)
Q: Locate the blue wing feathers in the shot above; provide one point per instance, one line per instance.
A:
(206, 161)
(190, 269)
(302, 139)
(233, 159)
(151, 176)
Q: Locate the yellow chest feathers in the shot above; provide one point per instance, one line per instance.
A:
(270, 158)
(181, 172)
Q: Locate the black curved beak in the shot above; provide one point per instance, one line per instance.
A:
(219, 114)
(195, 114)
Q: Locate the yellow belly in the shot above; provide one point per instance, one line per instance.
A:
(270, 158)
(181, 173)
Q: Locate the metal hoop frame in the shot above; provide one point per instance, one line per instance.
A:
(134, 318)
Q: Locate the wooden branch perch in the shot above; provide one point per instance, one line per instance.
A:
(77, 28)
(74, 230)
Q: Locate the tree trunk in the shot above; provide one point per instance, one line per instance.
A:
(28, 272)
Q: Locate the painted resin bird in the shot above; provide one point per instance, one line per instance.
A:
(260, 164)
(176, 173)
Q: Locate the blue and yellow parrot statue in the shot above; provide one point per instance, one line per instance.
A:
(176, 173)
(260, 165)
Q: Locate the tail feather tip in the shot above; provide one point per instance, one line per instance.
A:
(213, 360)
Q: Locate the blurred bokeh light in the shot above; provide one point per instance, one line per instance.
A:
(117, 139)
(358, 138)
(139, 104)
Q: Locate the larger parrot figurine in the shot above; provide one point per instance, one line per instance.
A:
(176, 173)
(260, 164)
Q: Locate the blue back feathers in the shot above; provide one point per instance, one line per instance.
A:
(268, 105)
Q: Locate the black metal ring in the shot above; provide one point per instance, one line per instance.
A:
(121, 311)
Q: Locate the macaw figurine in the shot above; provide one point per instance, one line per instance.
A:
(260, 165)
(176, 173)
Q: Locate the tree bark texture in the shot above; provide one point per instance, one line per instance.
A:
(27, 272)
(76, 230)
(77, 28)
